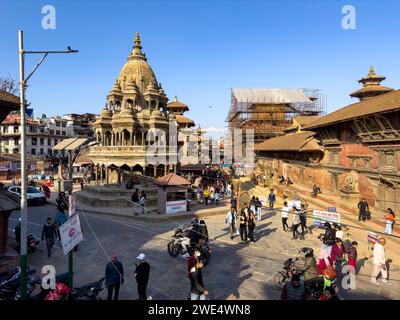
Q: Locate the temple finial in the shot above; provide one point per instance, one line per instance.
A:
(137, 42)
(371, 72)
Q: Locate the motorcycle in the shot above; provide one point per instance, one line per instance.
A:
(175, 247)
(88, 291)
(315, 289)
(32, 241)
(281, 277)
(41, 295)
(10, 283)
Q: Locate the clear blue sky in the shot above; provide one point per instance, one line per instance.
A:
(200, 49)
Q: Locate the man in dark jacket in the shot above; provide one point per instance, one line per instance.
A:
(271, 199)
(114, 277)
(49, 234)
(198, 292)
(329, 237)
(363, 210)
(135, 200)
(294, 290)
(142, 276)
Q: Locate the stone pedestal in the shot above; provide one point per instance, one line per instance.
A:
(349, 195)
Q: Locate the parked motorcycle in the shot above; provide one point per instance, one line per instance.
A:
(10, 283)
(43, 293)
(32, 241)
(88, 291)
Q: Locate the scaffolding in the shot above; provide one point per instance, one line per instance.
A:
(269, 111)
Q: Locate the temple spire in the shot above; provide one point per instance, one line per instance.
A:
(371, 72)
(137, 41)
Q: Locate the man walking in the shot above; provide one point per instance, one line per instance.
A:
(379, 261)
(271, 199)
(114, 277)
(49, 234)
(363, 209)
(135, 200)
(231, 218)
(284, 214)
(142, 276)
(296, 223)
(198, 291)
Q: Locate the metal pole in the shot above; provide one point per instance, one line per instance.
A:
(24, 207)
(71, 253)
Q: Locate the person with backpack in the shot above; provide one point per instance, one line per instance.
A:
(231, 219)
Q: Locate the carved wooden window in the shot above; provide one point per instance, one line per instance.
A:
(360, 126)
(372, 125)
(385, 124)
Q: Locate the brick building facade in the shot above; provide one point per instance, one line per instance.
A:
(354, 152)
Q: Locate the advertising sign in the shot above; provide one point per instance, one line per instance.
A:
(175, 206)
(71, 234)
(294, 203)
(263, 201)
(320, 217)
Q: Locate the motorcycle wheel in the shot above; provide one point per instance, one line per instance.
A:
(279, 279)
(173, 250)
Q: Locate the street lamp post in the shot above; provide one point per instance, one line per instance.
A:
(24, 207)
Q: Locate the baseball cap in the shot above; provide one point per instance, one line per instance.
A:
(141, 256)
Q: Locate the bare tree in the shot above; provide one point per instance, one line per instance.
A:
(10, 85)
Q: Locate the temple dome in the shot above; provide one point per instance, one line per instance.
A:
(136, 69)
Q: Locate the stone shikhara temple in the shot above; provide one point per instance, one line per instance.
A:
(136, 105)
(353, 152)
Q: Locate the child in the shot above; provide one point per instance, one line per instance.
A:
(352, 256)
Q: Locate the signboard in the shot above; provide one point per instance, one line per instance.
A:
(175, 206)
(372, 237)
(294, 203)
(71, 234)
(263, 201)
(320, 217)
(332, 209)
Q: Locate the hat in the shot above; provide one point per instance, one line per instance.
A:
(114, 257)
(141, 256)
